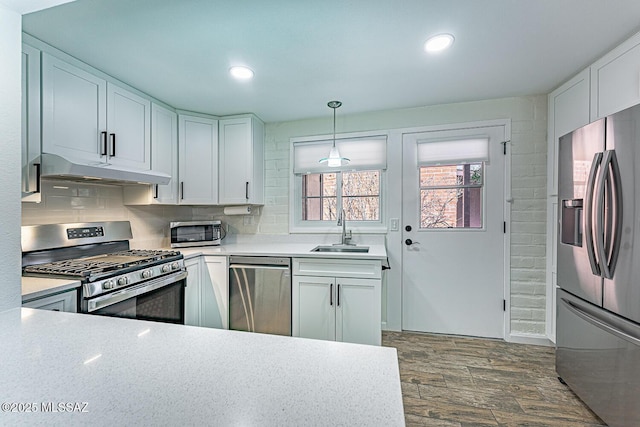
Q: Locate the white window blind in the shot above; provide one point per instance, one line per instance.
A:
(368, 153)
(453, 151)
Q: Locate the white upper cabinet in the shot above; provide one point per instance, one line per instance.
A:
(164, 152)
(198, 160)
(164, 158)
(568, 110)
(615, 79)
(241, 160)
(86, 118)
(30, 124)
(74, 104)
(129, 128)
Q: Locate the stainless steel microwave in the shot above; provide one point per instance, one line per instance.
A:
(195, 233)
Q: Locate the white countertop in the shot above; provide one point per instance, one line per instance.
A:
(144, 373)
(296, 250)
(38, 287)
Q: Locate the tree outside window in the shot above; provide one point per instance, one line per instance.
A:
(359, 196)
(451, 196)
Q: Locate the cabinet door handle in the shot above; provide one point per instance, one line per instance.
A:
(113, 145)
(246, 190)
(181, 190)
(331, 294)
(338, 295)
(38, 175)
(103, 149)
(156, 194)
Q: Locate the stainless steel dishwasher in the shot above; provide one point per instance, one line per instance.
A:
(260, 294)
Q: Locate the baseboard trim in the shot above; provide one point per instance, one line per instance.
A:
(533, 339)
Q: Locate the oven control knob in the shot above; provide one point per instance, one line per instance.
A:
(108, 284)
(166, 268)
(123, 281)
(147, 274)
(175, 266)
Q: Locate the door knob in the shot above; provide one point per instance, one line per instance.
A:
(410, 242)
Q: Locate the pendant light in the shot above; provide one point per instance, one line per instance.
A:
(334, 160)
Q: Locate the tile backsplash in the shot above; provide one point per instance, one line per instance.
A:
(67, 202)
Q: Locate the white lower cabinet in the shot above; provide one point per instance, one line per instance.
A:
(192, 291)
(206, 296)
(215, 293)
(65, 301)
(330, 306)
(314, 310)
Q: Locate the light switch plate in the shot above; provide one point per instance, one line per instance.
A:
(394, 224)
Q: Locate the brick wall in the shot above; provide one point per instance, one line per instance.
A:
(528, 218)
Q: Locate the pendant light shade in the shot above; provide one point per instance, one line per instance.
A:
(334, 160)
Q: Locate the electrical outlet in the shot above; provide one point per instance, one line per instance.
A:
(394, 224)
(247, 220)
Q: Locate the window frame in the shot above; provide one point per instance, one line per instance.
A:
(297, 225)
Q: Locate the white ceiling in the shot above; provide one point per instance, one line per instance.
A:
(366, 53)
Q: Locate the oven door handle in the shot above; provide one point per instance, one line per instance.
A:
(124, 294)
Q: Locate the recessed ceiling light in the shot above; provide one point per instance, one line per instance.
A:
(438, 43)
(241, 73)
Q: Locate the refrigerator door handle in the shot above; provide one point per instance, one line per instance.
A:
(588, 213)
(600, 323)
(612, 239)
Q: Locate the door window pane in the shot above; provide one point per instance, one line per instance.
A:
(451, 196)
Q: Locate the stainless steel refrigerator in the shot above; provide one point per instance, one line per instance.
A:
(598, 295)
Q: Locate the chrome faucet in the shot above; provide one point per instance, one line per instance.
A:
(346, 236)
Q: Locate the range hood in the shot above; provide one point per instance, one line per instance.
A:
(58, 167)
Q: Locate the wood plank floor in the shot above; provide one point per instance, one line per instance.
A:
(461, 381)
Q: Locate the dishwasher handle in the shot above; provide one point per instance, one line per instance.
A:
(258, 267)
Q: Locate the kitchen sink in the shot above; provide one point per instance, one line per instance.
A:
(341, 248)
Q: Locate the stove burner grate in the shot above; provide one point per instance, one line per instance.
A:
(90, 266)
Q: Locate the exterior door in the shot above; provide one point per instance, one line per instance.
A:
(453, 231)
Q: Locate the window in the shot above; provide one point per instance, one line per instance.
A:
(451, 196)
(319, 194)
(360, 196)
(319, 197)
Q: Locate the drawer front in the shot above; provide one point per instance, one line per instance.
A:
(366, 269)
(65, 301)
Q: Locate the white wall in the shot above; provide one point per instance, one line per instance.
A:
(10, 112)
(527, 264)
(78, 202)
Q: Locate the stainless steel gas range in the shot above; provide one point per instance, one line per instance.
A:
(116, 280)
